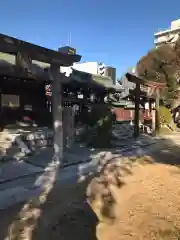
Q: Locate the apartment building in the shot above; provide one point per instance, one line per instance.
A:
(169, 35)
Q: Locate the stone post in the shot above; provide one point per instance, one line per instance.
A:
(153, 113)
(57, 113)
(157, 128)
(136, 115)
(69, 128)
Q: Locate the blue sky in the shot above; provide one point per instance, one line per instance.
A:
(116, 32)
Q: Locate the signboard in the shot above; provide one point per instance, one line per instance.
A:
(48, 90)
(67, 50)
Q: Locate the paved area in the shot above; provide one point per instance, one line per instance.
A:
(28, 178)
(13, 170)
(18, 186)
(63, 214)
(123, 137)
(77, 154)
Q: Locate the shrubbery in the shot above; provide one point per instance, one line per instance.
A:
(165, 116)
(166, 122)
(99, 124)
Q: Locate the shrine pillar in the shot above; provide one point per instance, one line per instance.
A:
(57, 110)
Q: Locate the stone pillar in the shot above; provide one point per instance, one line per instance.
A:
(57, 113)
(153, 113)
(157, 129)
(69, 128)
(131, 116)
(136, 114)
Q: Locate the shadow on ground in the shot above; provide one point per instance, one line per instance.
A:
(61, 210)
(63, 215)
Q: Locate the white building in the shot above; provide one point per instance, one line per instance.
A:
(88, 67)
(169, 35)
(92, 68)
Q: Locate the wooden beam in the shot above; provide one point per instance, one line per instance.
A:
(135, 79)
(136, 113)
(142, 94)
(13, 46)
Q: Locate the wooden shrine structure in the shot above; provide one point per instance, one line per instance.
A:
(30, 76)
(154, 93)
(36, 64)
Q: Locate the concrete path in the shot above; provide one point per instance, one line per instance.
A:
(20, 180)
(23, 186)
(13, 170)
(77, 154)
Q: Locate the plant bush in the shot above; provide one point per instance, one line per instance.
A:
(165, 116)
(99, 133)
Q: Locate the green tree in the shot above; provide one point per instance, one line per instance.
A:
(162, 64)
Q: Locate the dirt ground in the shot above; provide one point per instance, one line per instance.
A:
(146, 205)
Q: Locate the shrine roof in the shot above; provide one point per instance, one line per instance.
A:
(94, 80)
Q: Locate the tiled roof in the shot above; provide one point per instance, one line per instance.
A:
(94, 80)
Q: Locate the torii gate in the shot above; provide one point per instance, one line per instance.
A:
(28, 52)
(154, 85)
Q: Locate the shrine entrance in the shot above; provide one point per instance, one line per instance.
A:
(25, 68)
(153, 92)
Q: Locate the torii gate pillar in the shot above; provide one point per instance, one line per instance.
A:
(57, 110)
